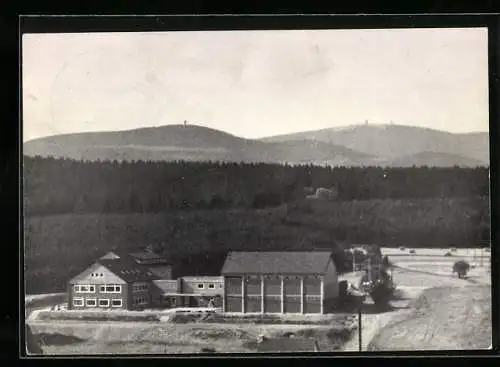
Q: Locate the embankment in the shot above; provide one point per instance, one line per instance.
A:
(450, 318)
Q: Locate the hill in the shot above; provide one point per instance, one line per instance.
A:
(392, 141)
(433, 159)
(186, 143)
(355, 146)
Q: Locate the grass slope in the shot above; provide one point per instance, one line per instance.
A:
(59, 247)
(443, 318)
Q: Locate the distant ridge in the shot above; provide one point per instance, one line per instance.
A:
(355, 145)
(391, 141)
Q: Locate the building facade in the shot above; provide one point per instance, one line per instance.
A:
(279, 282)
(189, 291)
(118, 281)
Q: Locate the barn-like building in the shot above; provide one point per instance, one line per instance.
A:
(279, 282)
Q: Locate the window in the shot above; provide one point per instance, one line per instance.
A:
(84, 288)
(140, 300)
(211, 286)
(91, 302)
(201, 286)
(116, 303)
(78, 302)
(110, 288)
(138, 287)
(104, 303)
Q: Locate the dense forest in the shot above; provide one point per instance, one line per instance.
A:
(193, 213)
(57, 186)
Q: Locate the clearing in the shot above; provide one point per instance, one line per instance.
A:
(462, 320)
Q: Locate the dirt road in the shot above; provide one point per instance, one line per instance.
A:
(411, 279)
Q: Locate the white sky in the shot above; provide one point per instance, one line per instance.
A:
(255, 83)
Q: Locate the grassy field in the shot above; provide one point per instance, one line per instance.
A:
(59, 247)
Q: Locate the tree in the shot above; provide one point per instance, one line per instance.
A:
(385, 262)
(461, 267)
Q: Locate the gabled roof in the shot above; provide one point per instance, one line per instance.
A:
(286, 262)
(126, 266)
(127, 269)
(95, 267)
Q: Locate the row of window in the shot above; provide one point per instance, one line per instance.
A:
(90, 288)
(139, 287)
(93, 302)
(209, 286)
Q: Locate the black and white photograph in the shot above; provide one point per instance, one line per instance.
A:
(256, 191)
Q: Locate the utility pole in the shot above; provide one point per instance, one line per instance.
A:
(353, 263)
(360, 340)
(369, 269)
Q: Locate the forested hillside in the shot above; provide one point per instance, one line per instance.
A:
(58, 186)
(193, 213)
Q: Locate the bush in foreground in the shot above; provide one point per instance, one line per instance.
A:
(461, 267)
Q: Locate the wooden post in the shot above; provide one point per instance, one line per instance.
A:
(262, 310)
(282, 295)
(322, 294)
(224, 295)
(360, 344)
(369, 270)
(302, 294)
(243, 294)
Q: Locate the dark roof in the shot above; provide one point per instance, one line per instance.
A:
(286, 262)
(147, 257)
(126, 268)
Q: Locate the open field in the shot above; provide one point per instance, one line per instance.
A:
(417, 275)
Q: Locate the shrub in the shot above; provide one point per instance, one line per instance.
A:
(461, 267)
(412, 251)
(448, 254)
(401, 248)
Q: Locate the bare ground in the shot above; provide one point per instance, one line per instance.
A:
(146, 338)
(416, 276)
(443, 318)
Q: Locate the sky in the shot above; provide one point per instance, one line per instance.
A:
(255, 83)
